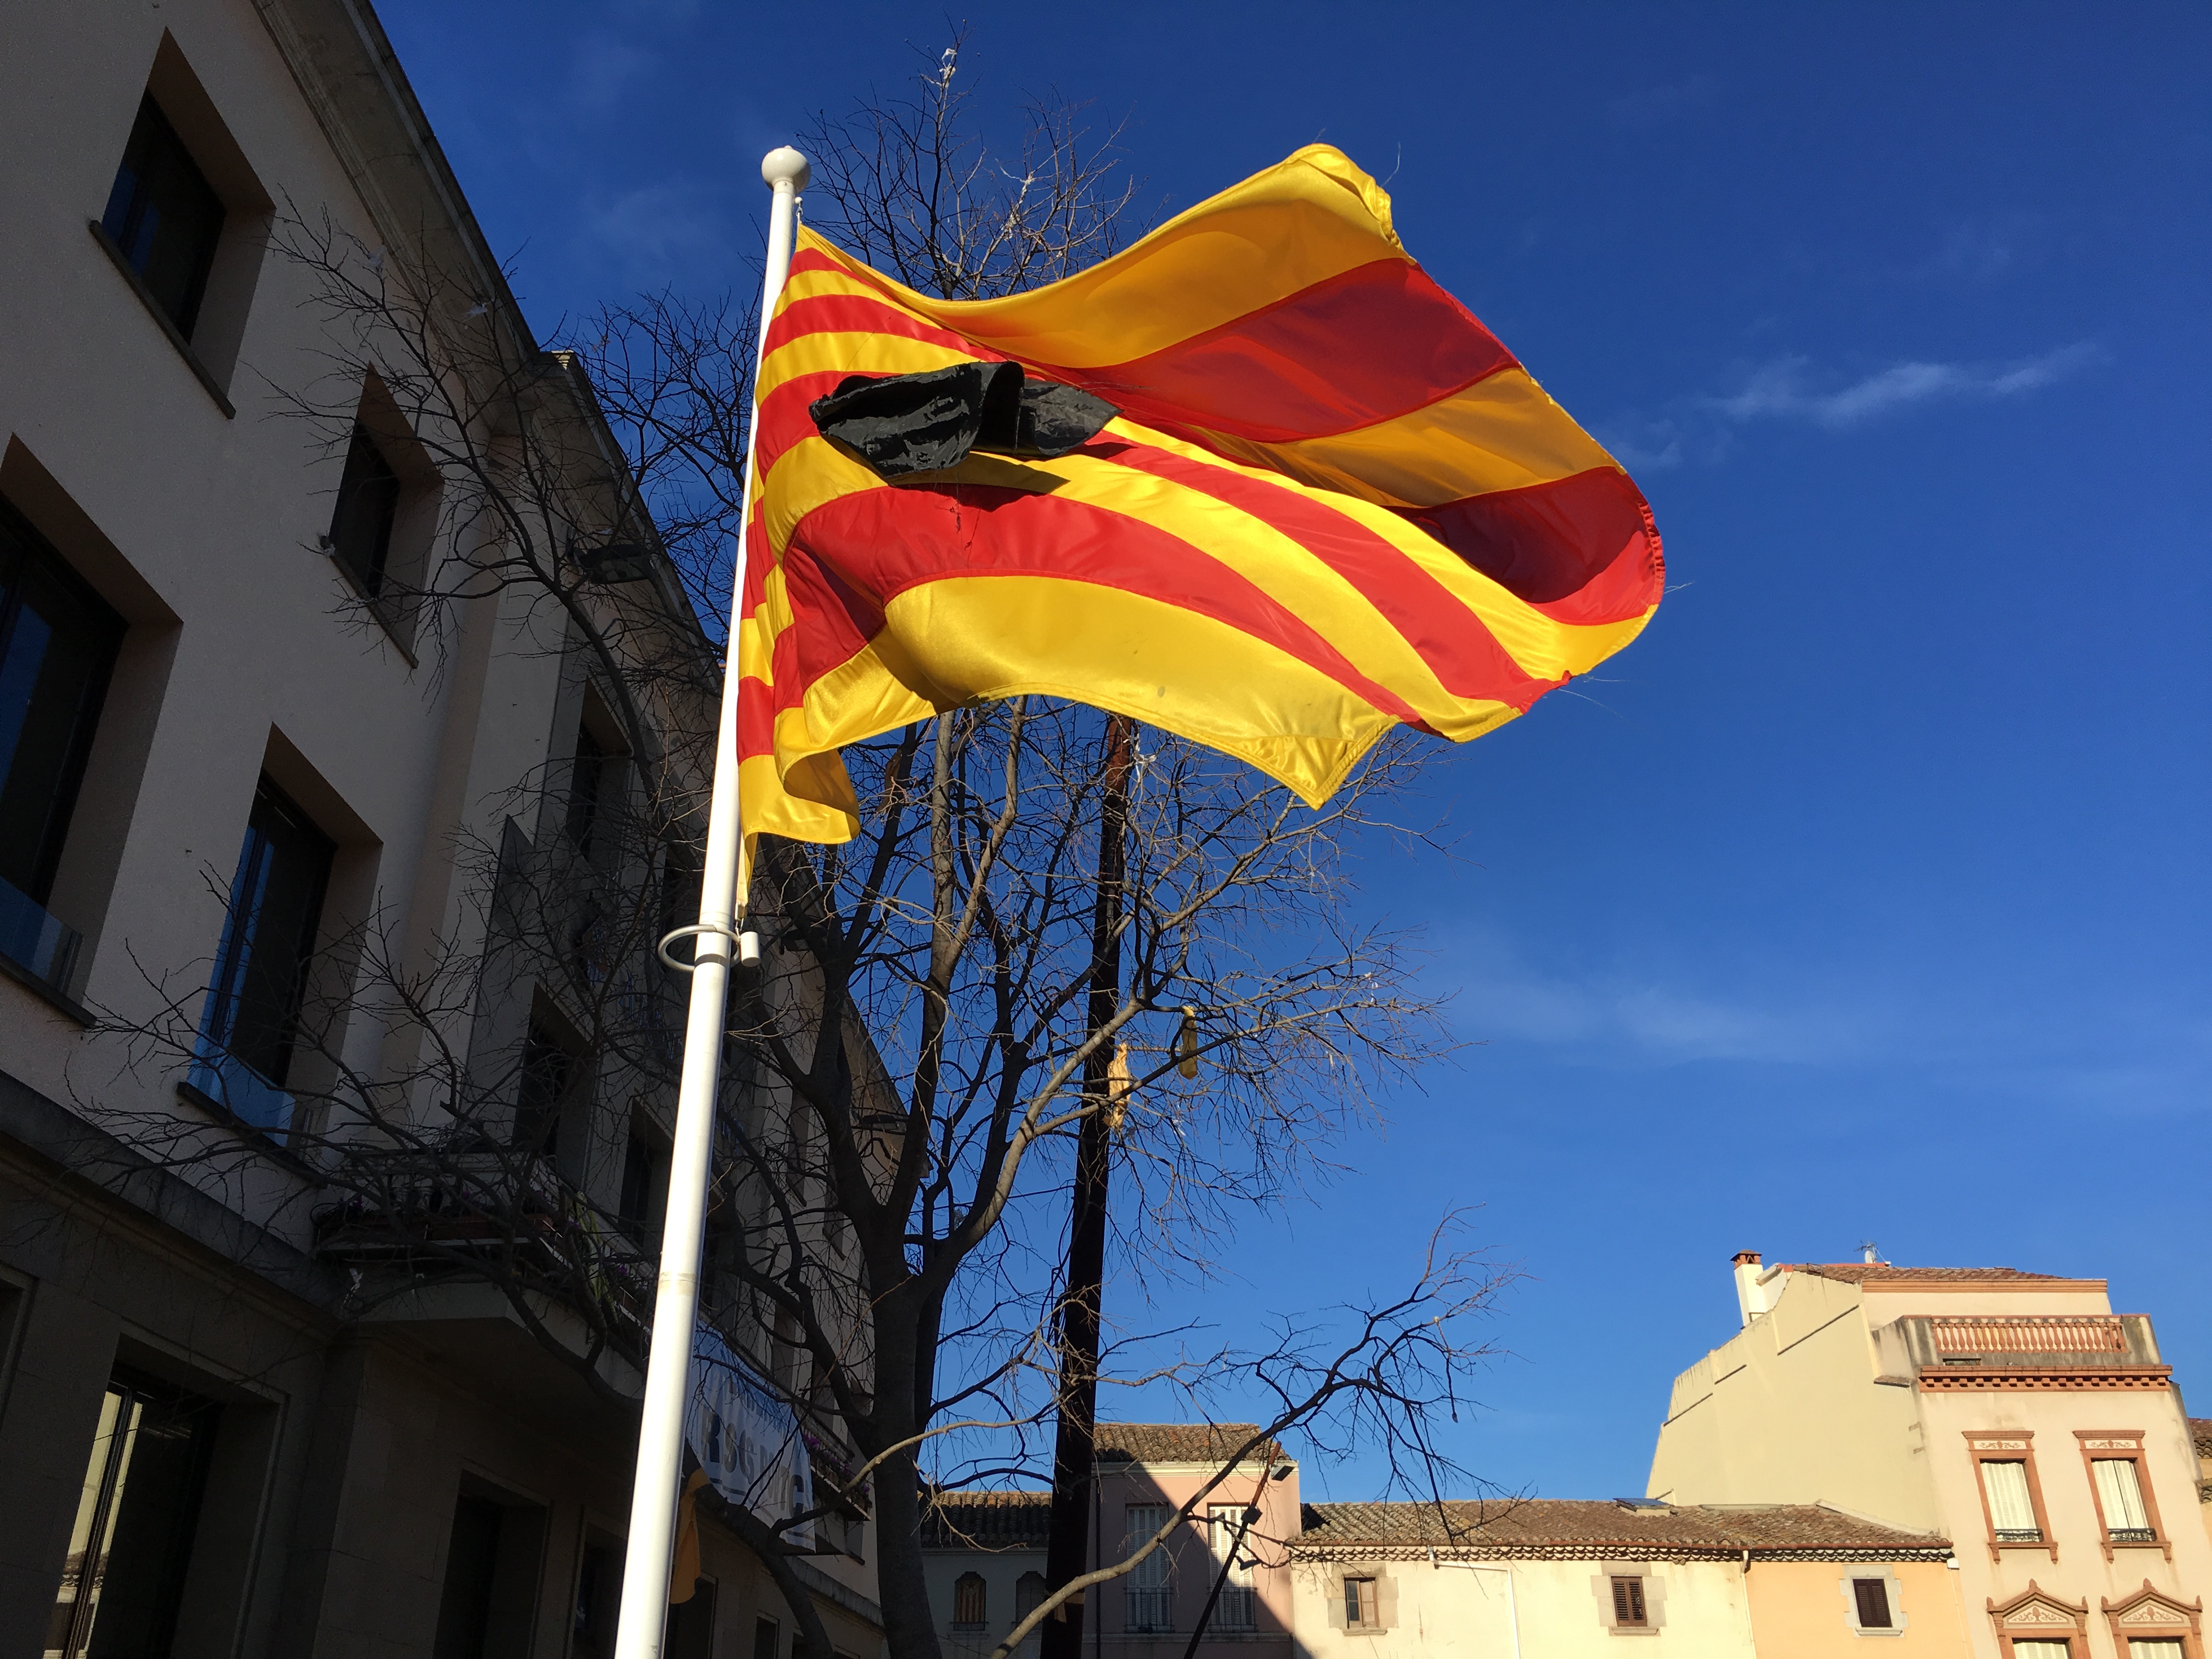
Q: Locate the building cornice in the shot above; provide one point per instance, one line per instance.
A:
(2042, 1379)
(1981, 1286)
(1634, 1549)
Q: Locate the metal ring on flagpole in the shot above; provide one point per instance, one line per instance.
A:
(748, 944)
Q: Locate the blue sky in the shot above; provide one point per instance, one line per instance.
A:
(1866, 897)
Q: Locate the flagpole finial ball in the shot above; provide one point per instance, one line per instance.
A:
(784, 165)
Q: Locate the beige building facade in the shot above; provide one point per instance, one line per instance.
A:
(248, 1408)
(1577, 1579)
(2013, 1413)
(1538, 1578)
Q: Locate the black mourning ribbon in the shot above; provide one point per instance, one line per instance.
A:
(906, 423)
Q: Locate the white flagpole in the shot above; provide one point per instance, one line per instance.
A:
(676, 1305)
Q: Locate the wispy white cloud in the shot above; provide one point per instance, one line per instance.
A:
(1702, 428)
(652, 232)
(1785, 390)
(1979, 250)
(1645, 1018)
(2132, 1060)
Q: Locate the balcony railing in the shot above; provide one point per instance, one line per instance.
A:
(1961, 1336)
(42, 945)
(2133, 1535)
(231, 1084)
(2020, 1535)
(513, 1213)
(1151, 1608)
(1235, 1610)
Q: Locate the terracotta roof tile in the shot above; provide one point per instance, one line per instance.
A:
(986, 1519)
(2200, 1432)
(1586, 1524)
(1179, 1443)
(1857, 1272)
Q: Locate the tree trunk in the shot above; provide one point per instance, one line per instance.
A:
(1075, 1446)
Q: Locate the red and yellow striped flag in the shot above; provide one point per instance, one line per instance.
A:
(1331, 502)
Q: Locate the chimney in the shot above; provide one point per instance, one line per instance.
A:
(1750, 1296)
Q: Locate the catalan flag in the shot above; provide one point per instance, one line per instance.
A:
(1312, 498)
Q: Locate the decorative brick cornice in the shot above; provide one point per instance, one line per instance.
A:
(1945, 1379)
(1619, 1550)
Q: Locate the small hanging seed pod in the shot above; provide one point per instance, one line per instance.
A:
(1187, 1044)
(1119, 1086)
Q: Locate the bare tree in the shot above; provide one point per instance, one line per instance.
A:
(915, 1060)
(902, 1235)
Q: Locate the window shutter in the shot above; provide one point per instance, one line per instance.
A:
(1628, 1601)
(2121, 1493)
(2011, 1509)
(1872, 1596)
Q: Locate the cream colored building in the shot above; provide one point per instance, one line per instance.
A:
(236, 1420)
(1538, 1578)
(1563, 1578)
(2013, 1413)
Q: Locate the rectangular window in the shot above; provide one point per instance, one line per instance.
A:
(368, 502)
(2119, 1494)
(471, 1563)
(968, 1600)
(58, 644)
(549, 1072)
(636, 1186)
(1628, 1602)
(488, 1603)
(164, 216)
(2041, 1650)
(691, 1624)
(252, 1022)
(1872, 1596)
(1150, 1591)
(765, 1631)
(1230, 1539)
(1362, 1606)
(132, 1539)
(599, 1599)
(2155, 1647)
(585, 775)
(2012, 1510)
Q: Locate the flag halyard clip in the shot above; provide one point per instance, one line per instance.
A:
(748, 944)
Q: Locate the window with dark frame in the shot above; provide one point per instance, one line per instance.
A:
(549, 1070)
(691, 1624)
(57, 647)
(251, 1024)
(585, 774)
(131, 1545)
(598, 1597)
(472, 1566)
(766, 1633)
(164, 217)
(1628, 1601)
(1362, 1606)
(636, 1186)
(367, 506)
(969, 1601)
(1872, 1597)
